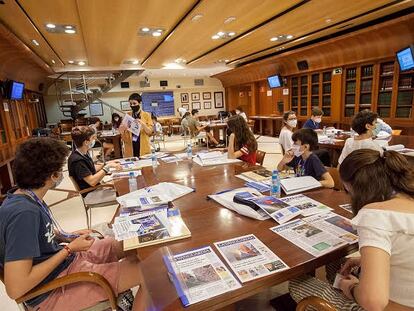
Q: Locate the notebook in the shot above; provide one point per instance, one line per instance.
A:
(299, 184)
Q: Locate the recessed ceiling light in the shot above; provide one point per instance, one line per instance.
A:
(231, 33)
(156, 34)
(53, 61)
(274, 39)
(220, 33)
(328, 20)
(135, 62)
(69, 27)
(35, 42)
(197, 17)
(81, 63)
(229, 19)
(215, 37)
(289, 37)
(226, 60)
(70, 31)
(145, 29)
(51, 26)
(172, 66)
(70, 61)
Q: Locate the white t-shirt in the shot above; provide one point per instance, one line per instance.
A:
(285, 139)
(182, 111)
(242, 114)
(392, 232)
(351, 144)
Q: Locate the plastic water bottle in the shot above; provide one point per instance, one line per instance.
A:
(154, 159)
(189, 151)
(132, 182)
(324, 130)
(275, 186)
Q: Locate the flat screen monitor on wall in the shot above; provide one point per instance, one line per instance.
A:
(16, 90)
(405, 58)
(159, 103)
(274, 81)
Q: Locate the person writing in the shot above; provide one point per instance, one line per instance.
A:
(301, 158)
(314, 122)
(195, 127)
(242, 143)
(137, 145)
(366, 125)
(31, 253)
(289, 124)
(382, 196)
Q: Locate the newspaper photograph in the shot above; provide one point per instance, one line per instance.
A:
(249, 258)
(276, 208)
(131, 125)
(308, 237)
(307, 205)
(199, 275)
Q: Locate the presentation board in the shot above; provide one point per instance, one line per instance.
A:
(160, 103)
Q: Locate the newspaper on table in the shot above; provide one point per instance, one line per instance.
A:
(171, 159)
(347, 207)
(145, 201)
(299, 184)
(249, 258)
(307, 205)
(118, 175)
(216, 158)
(133, 165)
(199, 274)
(182, 155)
(131, 124)
(259, 186)
(159, 155)
(309, 237)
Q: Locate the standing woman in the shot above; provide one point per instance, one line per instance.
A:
(242, 144)
(137, 145)
(285, 137)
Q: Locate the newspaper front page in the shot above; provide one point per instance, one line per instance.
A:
(307, 205)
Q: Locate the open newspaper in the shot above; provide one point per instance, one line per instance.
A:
(127, 165)
(249, 258)
(213, 158)
(131, 124)
(315, 235)
(199, 274)
(307, 205)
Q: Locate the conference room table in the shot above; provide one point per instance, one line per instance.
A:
(336, 147)
(210, 222)
(267, 125)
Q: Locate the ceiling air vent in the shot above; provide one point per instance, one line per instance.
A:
(198, 82)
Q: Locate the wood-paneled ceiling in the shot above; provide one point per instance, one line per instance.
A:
(107, 30)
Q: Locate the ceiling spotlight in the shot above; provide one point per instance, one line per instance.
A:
(53, 61)
(51, 26)
(274, 39)
(70, 31)
(81, 63)
(135, 62)
(220, 33)
(145, 29)
(328, 20)
(215, 37)
(70, 61)
(197, 17)
(69, 27)
(156, 34)
(230, 19)
(226, 60)
(35, 42)
(289, 37)
(231, 33)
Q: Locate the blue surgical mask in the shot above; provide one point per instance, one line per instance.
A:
(376, 129)
(296, 150)
(92, 144)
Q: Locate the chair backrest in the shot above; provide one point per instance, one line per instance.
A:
(260, 155)
(334, 172)
(396, 132)
(75, 184)
(316, 302)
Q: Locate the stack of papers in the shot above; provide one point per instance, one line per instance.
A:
(171, 159)
(400, 149)
(299, 184)
(258, 175)
(213, 158)
(157, 154)
(132, 165)
(260, 186)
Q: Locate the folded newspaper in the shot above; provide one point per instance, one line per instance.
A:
(213, 158)
(249, 258)
(199, 274)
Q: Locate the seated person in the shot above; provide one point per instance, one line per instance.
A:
(116, 121)
(382, 196)
(285, 137)
(239, 111)
(301, 158)
(384, 129)
(314, 122)
(366, 126)
(80, 164)
(195, 127)
(157, 127)
(181, 111)
(242, 143)
(30, 249)
(184, 123)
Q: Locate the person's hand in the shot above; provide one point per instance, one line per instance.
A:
(83, 231)
(289, 155)
(349, 265)
(116, 165)
(346, 284)
(82, 243)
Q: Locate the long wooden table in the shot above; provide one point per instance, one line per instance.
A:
(209, 222)
(267, 125)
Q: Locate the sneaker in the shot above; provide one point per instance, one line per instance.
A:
(125, 301)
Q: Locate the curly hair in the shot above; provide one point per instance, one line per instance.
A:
(243, 135)
(80, 134)
(361, 119)
(36, 160)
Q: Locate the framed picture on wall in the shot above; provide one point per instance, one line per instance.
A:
(184, 97)
(96, 109)
(186, 106)
(125, 105)
(207, 105)
(196, 105)
(218, 100)
(195, 96)
(206, 95)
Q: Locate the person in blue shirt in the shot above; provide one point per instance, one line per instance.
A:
(304, 162)
(314, 122)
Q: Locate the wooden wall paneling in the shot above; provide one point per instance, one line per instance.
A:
(336, 97)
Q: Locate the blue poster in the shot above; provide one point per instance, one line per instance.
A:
(159, 103)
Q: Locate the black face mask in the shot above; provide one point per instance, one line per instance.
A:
(134, 108)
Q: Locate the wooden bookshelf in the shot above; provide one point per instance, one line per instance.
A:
(386, 76)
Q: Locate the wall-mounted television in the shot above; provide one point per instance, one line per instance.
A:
(405, 58)
(16, 90)
(274, 81)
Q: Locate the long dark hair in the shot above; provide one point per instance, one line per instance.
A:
(238, 126)
(116, 124)
(374, 178)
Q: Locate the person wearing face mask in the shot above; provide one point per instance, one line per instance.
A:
(137, 145)
(314, 122)
(366, 126)
(301, 158)
(285, 136)
(240, 112)
(80, 164)
(116, 121)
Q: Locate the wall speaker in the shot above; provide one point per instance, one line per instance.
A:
(163, 83)
(124, 85)
(302, 65)
(198, 82)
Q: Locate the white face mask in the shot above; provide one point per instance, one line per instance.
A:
(59, 181)
(116, 119)
(237, 112)
(92, 144)
(296, 150)
(292, 123)
(318, 120)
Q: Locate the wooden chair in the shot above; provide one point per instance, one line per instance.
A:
(334, 172)
(89, 277)
(396, 132)
(316, 302)
(260, 155)
(175, 125)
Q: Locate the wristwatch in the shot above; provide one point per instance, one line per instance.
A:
(106, 169)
